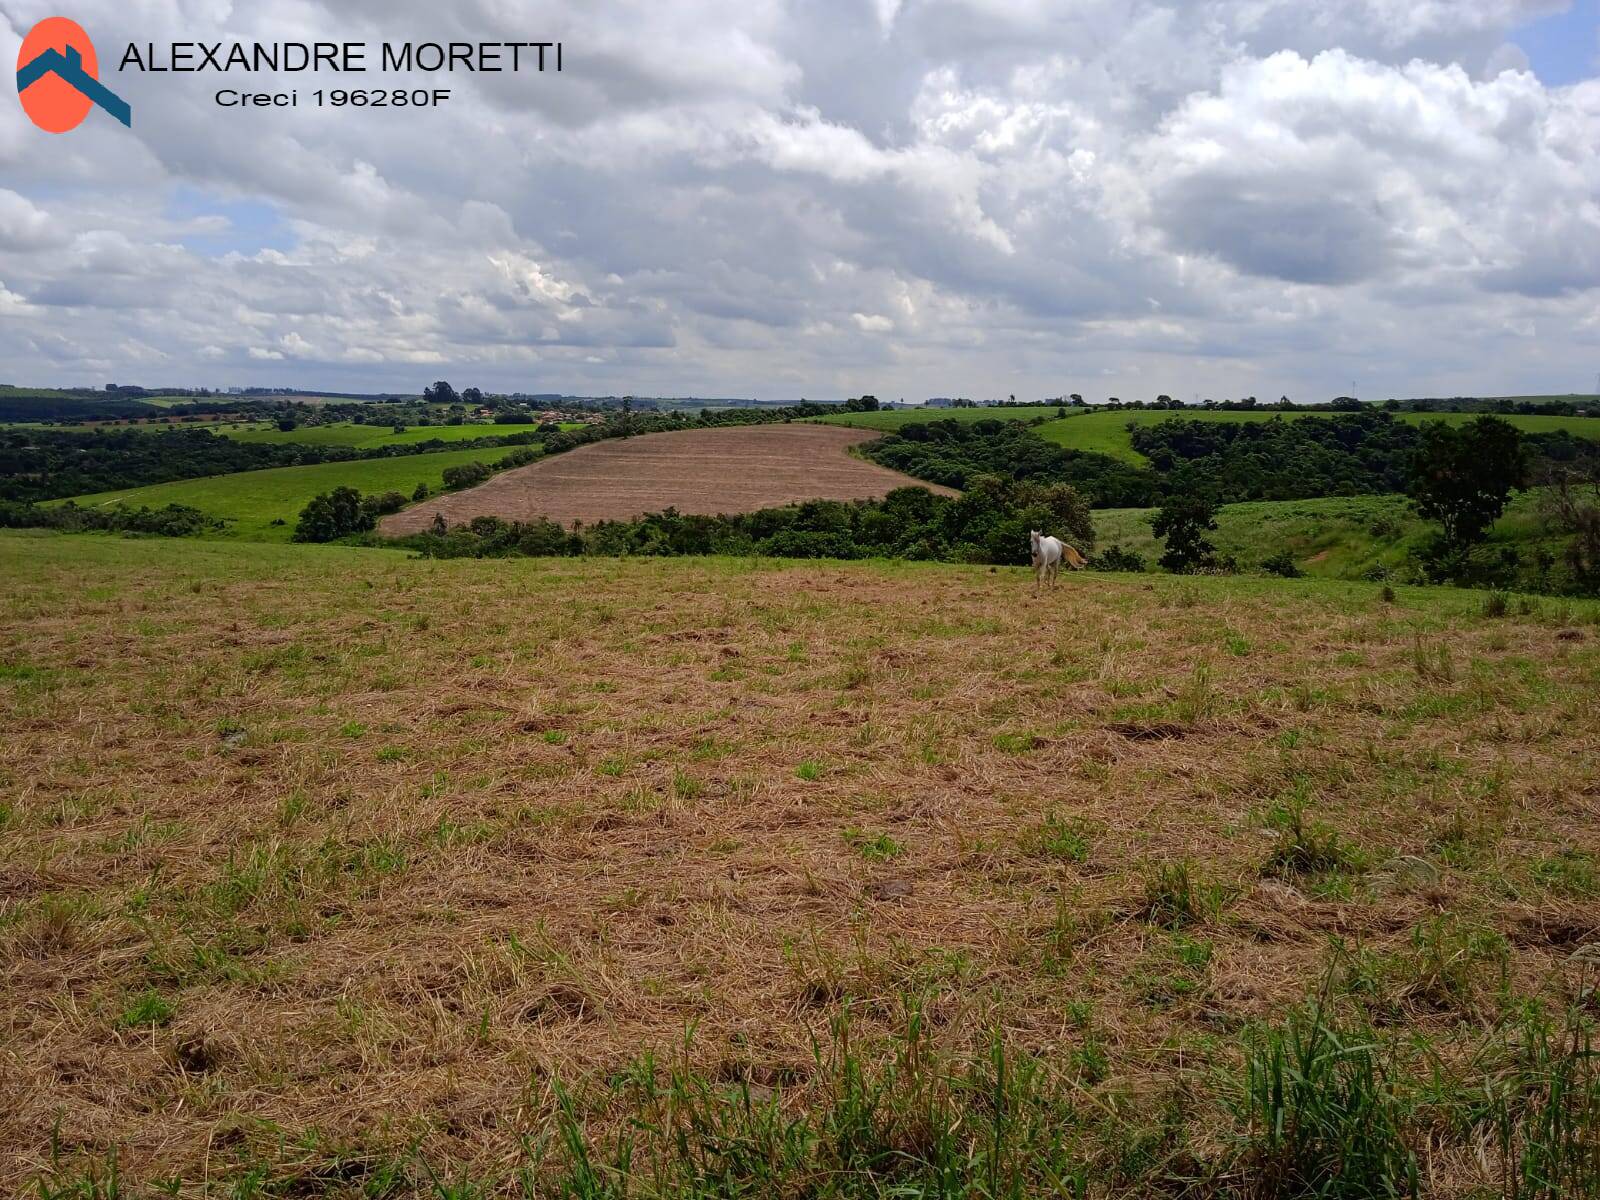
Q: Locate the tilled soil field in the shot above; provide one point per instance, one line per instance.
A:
(698, 471)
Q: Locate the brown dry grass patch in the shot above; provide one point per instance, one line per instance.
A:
(706, 471)
(312, 847)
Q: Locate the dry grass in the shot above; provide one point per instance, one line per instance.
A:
(310, 855)
(707, 471)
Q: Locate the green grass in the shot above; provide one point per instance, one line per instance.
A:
(1107, 432)
(1337, 537)
(251, 500)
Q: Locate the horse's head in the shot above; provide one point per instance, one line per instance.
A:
(1033, 538)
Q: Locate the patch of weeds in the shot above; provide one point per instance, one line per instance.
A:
(1057, 838)
(1461, 843)
(612, 767)
(1447, 963)
(1496, 605)
(392, 754)
(352, 729)
(1323, 1112)
(874, 847)
(554, 737)
(892, 1117)
(809, 771)
(1543, 1110)
(1571, 873)
(1237, 646)
(1173, 897)
(1432, 663)
(151, 1008)
(1305, 847)
(1015, 743)
(1176, 972)
(1197, 699)
(686, 787)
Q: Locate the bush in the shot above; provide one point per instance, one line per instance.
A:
(1282, 563)
(332, 515)
(465, 476)
(384, 503)
(1115, 558)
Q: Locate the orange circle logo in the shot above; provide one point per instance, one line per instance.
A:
(56, 73)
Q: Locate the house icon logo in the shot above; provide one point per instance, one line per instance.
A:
(58, 77)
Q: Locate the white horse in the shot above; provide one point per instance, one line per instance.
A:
(1048, 554)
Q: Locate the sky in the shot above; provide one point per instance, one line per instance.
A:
(821, 198)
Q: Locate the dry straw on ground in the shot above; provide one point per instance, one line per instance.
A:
(310, 847)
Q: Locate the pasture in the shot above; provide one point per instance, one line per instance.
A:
(1334, 537)
(250, 501)
(1104, 432)
(331, 872)
(730, 470)
(1107, 432)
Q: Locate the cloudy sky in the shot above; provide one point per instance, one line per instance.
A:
(785, 198)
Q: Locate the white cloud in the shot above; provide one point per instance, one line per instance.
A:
(767, 197)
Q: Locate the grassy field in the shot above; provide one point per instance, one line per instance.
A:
(250, 501)
(330, 872)
(1341, 537)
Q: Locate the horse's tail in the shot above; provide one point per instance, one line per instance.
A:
(1074, 560)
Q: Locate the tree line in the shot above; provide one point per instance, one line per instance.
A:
(47, 464)
(989, 523)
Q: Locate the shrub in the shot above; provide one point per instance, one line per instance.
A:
(1115, 558)
(465, 476)
(1282, 563)
(332, 515)
(1325, 1118)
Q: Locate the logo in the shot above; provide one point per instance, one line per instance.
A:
(57, 78)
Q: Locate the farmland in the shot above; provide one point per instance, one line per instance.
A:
(358, 857)
(737, 469)
(251, 501)
(1104, 432)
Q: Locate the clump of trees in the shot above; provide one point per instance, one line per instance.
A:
(953, 452)
(175, 520)
(1347, 455)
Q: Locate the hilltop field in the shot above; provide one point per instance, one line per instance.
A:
(328, 871)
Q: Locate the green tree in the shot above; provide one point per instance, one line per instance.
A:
(1184, 521)
(331, 515)
(440, 393)
(1462, 476)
